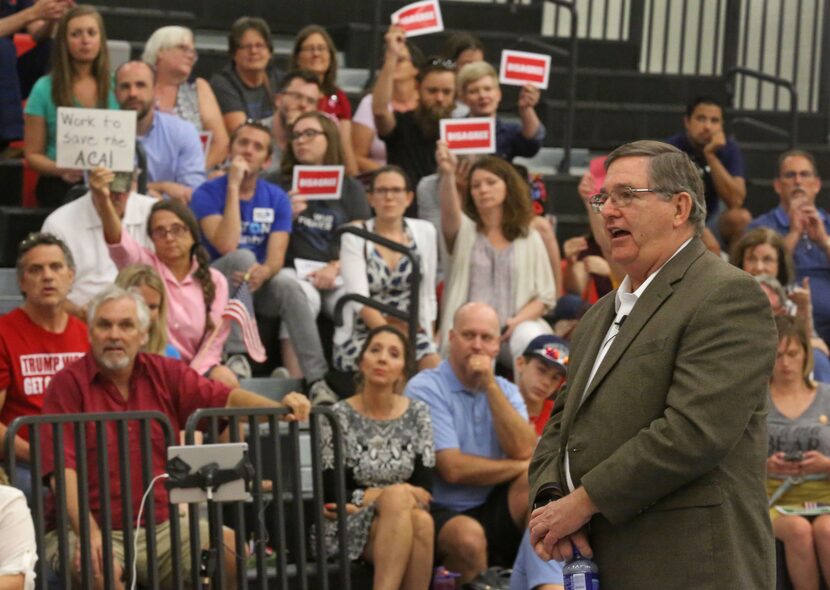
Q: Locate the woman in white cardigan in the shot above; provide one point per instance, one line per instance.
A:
(494, 255)
(382, 274)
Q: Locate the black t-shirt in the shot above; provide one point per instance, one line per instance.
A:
(312, 234)
(407, 147)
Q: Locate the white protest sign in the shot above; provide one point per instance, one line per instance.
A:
(318, 182)
(520, 67)
(88, 138)
(419, 18)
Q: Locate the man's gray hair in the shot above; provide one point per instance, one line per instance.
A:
(116, 293)
(670, 172)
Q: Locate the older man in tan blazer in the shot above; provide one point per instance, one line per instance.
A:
(653, 461)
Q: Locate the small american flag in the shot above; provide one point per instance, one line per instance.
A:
(240, 308)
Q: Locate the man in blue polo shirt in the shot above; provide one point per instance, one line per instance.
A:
(805, 229)
(175, 158)
(483, 442)
(246, 223)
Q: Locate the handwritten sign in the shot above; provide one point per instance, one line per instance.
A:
(470, 136)
(419, 18)
(88, 138)
(520, 67)
(318, 182)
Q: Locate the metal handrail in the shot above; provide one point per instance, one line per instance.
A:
(411, 315)
(99, 422)
(570, 100)
(271, 417)
(792, 133)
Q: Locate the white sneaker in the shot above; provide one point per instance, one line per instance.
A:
(321, 394)
(238, 363)
(280, 373)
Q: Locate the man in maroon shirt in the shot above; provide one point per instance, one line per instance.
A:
(116, 377)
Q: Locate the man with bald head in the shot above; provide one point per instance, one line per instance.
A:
(654, 460)
(483, 442)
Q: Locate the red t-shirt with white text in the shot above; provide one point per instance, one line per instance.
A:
(29, 357)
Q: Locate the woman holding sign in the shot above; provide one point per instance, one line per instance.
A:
(495, 256)
(196, 293)
(315, 141)
(80, 77)
(314, 51)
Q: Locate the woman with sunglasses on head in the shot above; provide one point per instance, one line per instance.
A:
(314, 51)
(80, 77)
(196, 293)
(375, 271)
(173, 53)
(389, 461)
(245, 88)
(495, 256)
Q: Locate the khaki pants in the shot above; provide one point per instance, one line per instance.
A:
(163, 550)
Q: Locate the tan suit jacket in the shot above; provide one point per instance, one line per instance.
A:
(670, 440)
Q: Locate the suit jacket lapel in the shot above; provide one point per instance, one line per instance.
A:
(600, 321)
(649, 302)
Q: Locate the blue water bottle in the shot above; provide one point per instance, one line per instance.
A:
(581, 573)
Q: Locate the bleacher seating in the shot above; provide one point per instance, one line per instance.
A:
(10, 296)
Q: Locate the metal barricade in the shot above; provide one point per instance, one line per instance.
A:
(275, 449)
(108, 438)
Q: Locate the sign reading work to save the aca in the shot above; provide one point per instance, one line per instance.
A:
(88, 138)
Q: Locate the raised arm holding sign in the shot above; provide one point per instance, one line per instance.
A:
(88, 138)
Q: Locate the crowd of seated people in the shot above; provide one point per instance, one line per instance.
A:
(494, 300)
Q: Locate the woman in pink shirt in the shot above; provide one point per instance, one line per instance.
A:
(196, 293)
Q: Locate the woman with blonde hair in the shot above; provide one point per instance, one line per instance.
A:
(145, 279)
(798, 465)
(80, 77)
(172, 51)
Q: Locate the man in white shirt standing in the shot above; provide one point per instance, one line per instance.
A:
(654, 459)
(77, 224)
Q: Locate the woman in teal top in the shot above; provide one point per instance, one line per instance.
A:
(80, 77)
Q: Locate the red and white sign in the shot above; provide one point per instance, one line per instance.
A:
(318, 182)
(419, 18)
(470, 136)
(520, 67)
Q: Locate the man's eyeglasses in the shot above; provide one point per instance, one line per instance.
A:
(619, 197)
(305, 134)
(176, 230)
(311, 102)
(394, 191)
(802, 174)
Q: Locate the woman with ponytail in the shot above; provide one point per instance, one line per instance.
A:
(196, 294)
